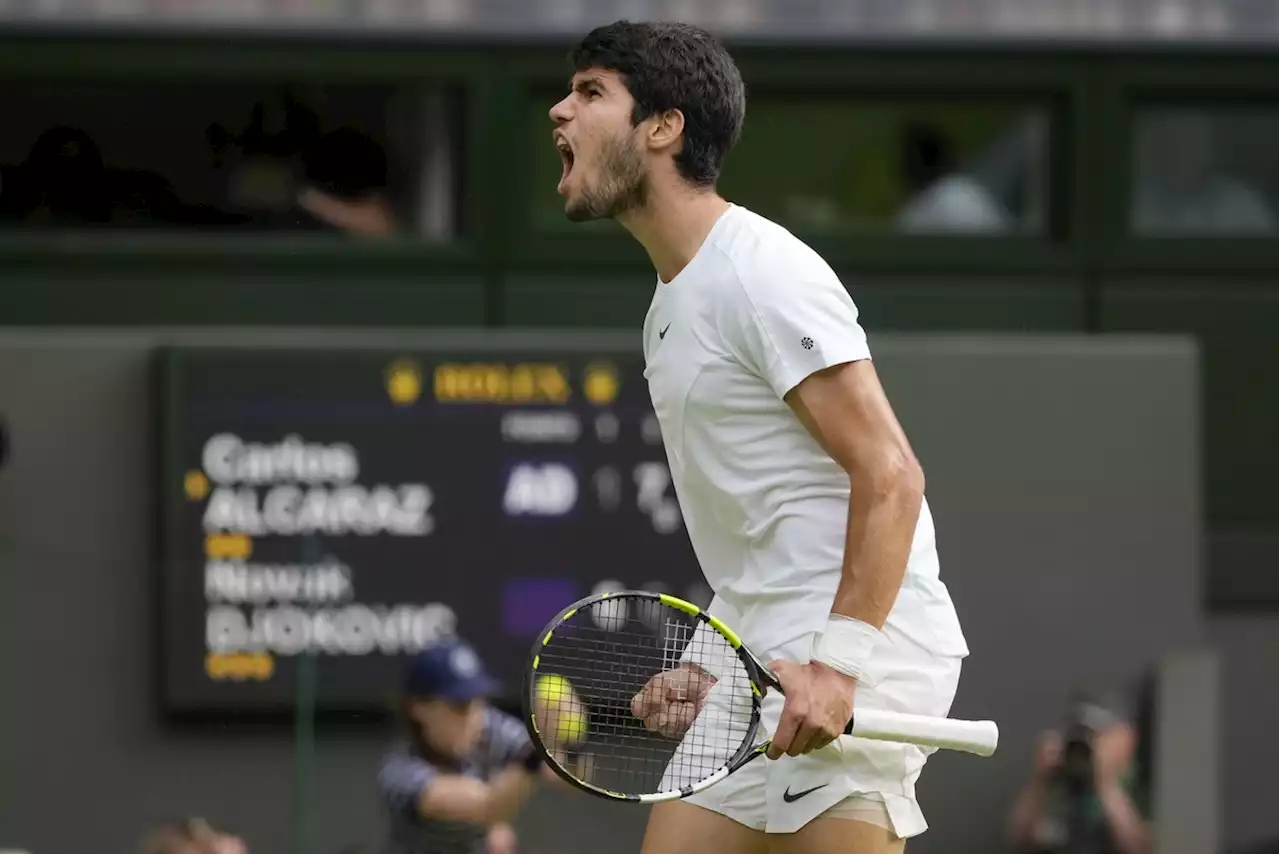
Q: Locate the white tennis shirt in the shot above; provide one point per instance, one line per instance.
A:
(754, 313)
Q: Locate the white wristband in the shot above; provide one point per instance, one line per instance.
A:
(846, 645)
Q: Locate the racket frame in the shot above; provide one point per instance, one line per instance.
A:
(759, 676)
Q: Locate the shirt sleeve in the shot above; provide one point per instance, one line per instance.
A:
(505, 740)
(402, 780)
(787, 330)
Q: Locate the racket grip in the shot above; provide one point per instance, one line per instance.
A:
(977, 737)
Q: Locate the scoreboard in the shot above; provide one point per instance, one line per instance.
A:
(351, 506)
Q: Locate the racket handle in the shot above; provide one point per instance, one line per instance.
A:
(977, 737)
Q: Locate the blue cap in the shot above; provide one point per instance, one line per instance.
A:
(449, 670)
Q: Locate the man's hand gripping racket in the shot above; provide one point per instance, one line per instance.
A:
(674, 700)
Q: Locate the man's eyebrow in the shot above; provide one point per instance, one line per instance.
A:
(583, 83)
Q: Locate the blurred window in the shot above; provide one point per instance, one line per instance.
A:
(358, 159)
(844, 166)
(1204, 171)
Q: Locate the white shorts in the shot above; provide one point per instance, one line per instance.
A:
(850, 777)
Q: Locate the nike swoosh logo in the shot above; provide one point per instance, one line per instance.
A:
(790, 798)
(663, 333)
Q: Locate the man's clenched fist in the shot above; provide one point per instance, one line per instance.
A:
(670, 701)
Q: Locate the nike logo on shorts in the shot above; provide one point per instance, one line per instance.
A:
(790, 798)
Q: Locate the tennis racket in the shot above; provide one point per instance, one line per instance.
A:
(605, 659)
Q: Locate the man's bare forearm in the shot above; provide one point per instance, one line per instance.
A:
(508, 790)
(883, 512)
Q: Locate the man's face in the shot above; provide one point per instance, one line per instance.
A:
(450, 728)
(604, 166)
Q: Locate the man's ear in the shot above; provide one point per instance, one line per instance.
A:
(665, 129)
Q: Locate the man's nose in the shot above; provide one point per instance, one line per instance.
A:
(560, 112)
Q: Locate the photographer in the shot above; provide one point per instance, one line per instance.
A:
(1081, 798)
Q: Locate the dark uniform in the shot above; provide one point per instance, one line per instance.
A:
(450, 671)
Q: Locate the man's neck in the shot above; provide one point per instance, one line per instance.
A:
(673, 225)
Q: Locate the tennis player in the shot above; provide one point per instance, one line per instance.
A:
(802, 497)
(465, 768)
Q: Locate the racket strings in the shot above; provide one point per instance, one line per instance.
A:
(638, 697)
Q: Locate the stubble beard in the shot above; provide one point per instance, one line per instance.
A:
(623, 185)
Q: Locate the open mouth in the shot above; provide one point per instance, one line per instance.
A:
(566, 159)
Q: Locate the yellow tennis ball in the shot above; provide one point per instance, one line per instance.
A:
(571, 727)
(557, 701)
(552, 689)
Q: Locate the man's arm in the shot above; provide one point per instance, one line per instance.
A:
(501, 839)
(1128, 829)
(411, 784)
(511, 747)
(1113, 757)
(845, 409)
(799, 331)
(456, 798)
(795, 326)
(1029, 807)
(1026, 813)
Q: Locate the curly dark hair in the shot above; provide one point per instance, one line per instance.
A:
(675, 67)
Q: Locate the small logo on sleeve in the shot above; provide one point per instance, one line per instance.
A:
(806, 342)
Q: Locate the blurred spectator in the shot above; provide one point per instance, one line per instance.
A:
(62, 182)
(942, 198)
(192, 836)
(1088, 786)
(465, 767)
(346, 182)
(1182, 185)
(364, 161)
(257, 164)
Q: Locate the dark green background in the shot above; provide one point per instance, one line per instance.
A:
(517, 265)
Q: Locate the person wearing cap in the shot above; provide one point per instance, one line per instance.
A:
(465, 767)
